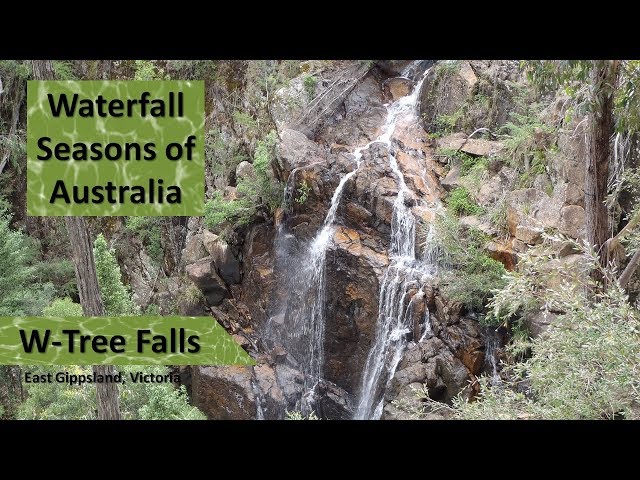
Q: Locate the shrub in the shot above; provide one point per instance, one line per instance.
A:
(63, 307)
(261, 192)
(585, 365)
(310, 83)
(20, 291)
(149, 231)
(116, 298)
(469, 274)
(460, 202)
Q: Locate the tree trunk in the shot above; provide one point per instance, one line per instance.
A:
(603, 80)
(43, 70)
(107, 392)
(92, 306)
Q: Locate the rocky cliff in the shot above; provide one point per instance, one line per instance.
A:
(260, 280)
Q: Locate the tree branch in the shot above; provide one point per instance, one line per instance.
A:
(630, 270)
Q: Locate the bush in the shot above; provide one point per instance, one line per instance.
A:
(585, 366)
(63, 307)
(116, 298)
(149, 231)
(460, 202)
(310, 83)
(138, 401)
(469, 274)
(261, 192)
(20, 291)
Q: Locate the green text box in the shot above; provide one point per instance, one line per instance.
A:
(187, 175)
(217, 347)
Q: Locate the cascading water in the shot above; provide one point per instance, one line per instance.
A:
(305, 307)
(404, 274)
(491, 355)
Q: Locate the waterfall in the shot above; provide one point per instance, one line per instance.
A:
(405, 272)
(303, 319)
(491, 355)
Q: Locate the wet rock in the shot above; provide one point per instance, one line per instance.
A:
(352, 271)
(203, 274)
(332, 402)
(398, 87)
(392, 68)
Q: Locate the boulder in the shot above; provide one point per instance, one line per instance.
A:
(224, 392)
(226, 263)
(194, 249)
(529, 235)
(457, 80)
(572, 221)
(481, 148)
(392, 68)
(245, 171)
(295, 150)
(455, 141)
(538, 322)
(399, 87)
(452, 179)
(503, 253)
(203, 274)
(332, 402)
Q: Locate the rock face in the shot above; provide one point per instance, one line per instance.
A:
(248, 284)
(224, 393)
(203, 274)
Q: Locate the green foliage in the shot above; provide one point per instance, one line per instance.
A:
(64, 70)
(469, 274)
(20, 291)
(63, 307)
(298, 415)
(261, 192)
(219, 211)
(585, 366)
(60, 273)
(149, 231)
(303, 192)
(138, 401)
(224, 156)
(155, 401)
(54, 401)
(627, 100)
(148, 70)
(16, 146)
(446, 124)
(460, 202)
(9, 390)
(310, 82)
(116, 298)
(21, 70)
(152, 309)
(497, 215)
(194, 69)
